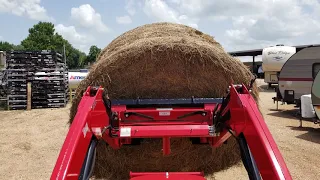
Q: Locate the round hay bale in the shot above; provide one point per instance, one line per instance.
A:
(164, 60)
(154, 30)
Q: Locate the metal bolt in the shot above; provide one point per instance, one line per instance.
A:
(126, 115)
(204, 114)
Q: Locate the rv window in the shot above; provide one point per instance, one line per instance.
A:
(315, 69)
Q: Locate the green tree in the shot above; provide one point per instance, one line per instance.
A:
(93, 53)
(18, 47)
(5, 46)
(82, 60)
(42, 36)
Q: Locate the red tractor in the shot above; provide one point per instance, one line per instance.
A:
(210, 120)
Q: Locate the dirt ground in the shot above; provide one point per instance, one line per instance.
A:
(31, 140)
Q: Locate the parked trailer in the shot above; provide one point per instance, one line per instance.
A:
(297, 75)
(315, 96)
(74, 80)
(273, 58)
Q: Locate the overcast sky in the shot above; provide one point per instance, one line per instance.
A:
(236, 24)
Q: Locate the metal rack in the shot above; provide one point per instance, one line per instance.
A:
(45, 70)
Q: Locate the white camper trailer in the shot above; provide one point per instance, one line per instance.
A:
(315, 96)
(297, 74)
(75, 78)
(273, 59)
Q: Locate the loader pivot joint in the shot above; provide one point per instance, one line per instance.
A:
(93, 90)
(113, 116)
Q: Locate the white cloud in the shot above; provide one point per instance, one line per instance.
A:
(30, 8)
(77, 39)
(242, 21)
(161, 11)
(130, 7)
(140, 4)
(246, 23)
(315, 4)
(237, 34)
(124, 20)
(194, 25)
(87, 17)
(209, 8)
(284, 21)
(218, 18)
(70, 33)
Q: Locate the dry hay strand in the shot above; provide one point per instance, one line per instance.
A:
(147, 157)
(164, 60)
(154, 30)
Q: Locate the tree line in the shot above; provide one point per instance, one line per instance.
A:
(42, 36)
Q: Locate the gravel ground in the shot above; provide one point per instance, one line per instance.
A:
(31, 140)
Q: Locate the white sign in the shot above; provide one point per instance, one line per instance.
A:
(125, 132)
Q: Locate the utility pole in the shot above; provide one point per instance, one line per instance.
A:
(64, 72)
(64, 54)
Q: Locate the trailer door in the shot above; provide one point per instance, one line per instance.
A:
(315, 69)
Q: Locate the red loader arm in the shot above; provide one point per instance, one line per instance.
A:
(210, 120)
(249, 127)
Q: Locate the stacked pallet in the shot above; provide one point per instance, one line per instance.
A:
(19, 68)
(49, 90)
(46, 72)
(50, 81)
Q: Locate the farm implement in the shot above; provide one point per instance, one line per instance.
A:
(203, 120)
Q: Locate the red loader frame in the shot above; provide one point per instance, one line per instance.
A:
(204, 120)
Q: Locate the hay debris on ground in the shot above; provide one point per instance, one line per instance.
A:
(164, 60)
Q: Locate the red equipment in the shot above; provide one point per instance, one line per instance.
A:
(204, 120)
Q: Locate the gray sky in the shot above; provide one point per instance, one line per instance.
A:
(236, 24)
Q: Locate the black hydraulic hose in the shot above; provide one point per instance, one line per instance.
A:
(247, 159)
(89, 161)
